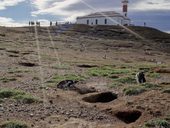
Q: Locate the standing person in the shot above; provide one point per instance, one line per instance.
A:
(144, 24)
(56, 23)
(51, 23)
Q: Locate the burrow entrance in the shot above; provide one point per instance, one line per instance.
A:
(27, 64)
(128, 116)
(101, 97)
(86, 66)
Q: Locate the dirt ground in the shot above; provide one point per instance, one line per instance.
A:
(28, 62)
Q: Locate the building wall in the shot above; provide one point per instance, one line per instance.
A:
(101, 21)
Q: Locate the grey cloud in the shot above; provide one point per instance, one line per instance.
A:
(98, 5)
(152, 3)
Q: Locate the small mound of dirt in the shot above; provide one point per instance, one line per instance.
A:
(27, 64)
(128, 116)
(85, 90)
(162, 70)
(86, 66)
(101, 97)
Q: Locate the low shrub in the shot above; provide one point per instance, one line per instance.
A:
(126, 80)
(157, 123)
(14, 124)
(166, 90)
(106, 71)
(18, 95)
(134, 90)
(7, 93)
(26, 99)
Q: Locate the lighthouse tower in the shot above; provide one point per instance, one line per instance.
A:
(125, 7)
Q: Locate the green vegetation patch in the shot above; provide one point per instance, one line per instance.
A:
(59, 78)
(157, 123)
(126, 80)
(12, 71)
(14, 124)
(8, 93)
(167, 118)
(115, 85)
(106, 71)
(134, 90)
(62, 66)
(18, 95)
(154, 75)
(150, 86)
(1, 100)
(167, 91)
(6, 80)
(26, 99)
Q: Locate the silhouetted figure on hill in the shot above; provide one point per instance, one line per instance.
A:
(56, 23)
(32, 23)
(51, 23)
(140, 77)
(144, 24)
(38, 24)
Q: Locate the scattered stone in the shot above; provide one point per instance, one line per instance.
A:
(31, 115)
(1, 108)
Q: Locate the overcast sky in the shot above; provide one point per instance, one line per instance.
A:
(156, 13)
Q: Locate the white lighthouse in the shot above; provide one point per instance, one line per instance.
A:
(125, 7)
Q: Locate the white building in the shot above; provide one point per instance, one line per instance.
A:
(104, 18)
(107, 18)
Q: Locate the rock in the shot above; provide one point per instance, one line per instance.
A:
(31, 115)
(1, 108)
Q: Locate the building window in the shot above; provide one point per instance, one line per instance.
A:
(105, 21)
(87, 21)
(96, 22)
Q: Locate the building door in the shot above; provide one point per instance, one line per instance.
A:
(105, 21)
(96, 22)
(87, 22)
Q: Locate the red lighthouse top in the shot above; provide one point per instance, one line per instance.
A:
(125, 7)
